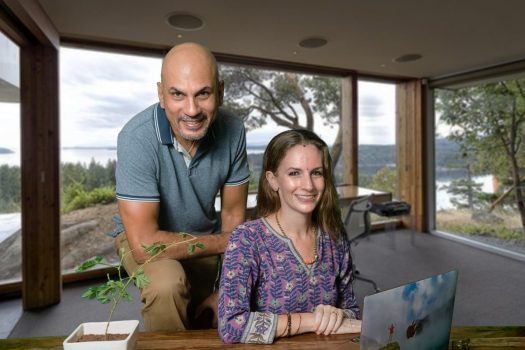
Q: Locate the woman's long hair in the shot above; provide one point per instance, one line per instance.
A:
(327, 213)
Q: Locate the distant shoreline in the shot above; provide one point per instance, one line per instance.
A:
(6, 151)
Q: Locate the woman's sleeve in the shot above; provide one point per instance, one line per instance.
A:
(347, 298)
(237, 324)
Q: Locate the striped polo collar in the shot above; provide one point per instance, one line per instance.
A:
(162, 126)
(164, 132)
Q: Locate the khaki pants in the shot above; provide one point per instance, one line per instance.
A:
(176, 288)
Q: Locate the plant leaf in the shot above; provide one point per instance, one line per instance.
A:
(90, 293)
(126, 296)
(89, 263)
(191, 248)
(140, 280)
(199, 245)
(154, 249)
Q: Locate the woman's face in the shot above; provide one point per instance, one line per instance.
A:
(299, 179)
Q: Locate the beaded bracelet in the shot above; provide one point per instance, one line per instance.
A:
(289, 319)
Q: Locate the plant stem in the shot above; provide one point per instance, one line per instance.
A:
(118, 297)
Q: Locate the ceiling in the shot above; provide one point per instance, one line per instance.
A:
(363, 35)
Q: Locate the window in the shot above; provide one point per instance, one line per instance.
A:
(480, 163)
(272, 101)
(377, 136)
(100, 92)
(10, 176)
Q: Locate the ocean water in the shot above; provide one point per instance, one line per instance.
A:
(83, 155)
(9, 224)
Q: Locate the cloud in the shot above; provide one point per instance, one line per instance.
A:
(85, 67)
(102, 91)
(371, 106)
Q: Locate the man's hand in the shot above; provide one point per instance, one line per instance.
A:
(211, 302)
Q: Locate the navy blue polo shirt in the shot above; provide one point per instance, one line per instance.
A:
(150, 169)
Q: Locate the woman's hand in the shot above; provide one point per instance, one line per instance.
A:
(328, 319)
(349, 325)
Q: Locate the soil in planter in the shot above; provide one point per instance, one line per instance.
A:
(101, 337)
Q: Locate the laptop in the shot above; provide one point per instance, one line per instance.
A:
(416, 316)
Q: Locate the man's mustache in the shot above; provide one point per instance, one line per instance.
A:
(196, 118)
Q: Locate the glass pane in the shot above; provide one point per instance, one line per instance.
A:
(99, 93)
(10, 177)
(274, 101)
(377, 136)
(480, 163)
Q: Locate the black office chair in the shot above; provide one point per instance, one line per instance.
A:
(357, 226)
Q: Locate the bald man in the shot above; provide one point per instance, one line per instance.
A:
(173, 158)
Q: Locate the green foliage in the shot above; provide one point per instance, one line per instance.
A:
(385, 180)
(115, 290)
(10, 189)
(465, 193)
(83, 186)
(488, 121)
(76, 197)
(92, 176)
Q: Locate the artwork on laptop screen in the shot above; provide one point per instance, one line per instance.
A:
(416, 316)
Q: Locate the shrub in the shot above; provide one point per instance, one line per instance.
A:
(76, 197)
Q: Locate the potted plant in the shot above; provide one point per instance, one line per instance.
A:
(117, 335)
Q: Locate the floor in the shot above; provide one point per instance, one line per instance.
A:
(490, 287)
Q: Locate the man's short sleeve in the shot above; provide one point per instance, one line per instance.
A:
(239, 170)
(137, 168)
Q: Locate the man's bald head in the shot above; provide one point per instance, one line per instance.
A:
(190, 91)
(192, 54)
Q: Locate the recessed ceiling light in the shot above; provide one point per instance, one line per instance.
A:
(185, 21)
(313, 42)
(407, 58)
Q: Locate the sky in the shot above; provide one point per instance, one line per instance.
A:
(100, 91)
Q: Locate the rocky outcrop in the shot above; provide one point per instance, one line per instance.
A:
(11, 257)
(83, 235)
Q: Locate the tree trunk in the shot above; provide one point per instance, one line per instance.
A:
(518, 194)
(502, 197)
(337, 147)
(470, 195)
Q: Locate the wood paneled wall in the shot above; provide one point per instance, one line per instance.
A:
(411, 150)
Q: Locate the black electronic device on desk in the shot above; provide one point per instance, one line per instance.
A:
(393, 208)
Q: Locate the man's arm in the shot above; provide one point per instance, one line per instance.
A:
(233, 208)
(140, 221)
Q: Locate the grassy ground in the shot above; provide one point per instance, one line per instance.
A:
(499, 228)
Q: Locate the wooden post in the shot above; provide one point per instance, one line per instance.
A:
(41, 271)
(411, 150)
(349, 126)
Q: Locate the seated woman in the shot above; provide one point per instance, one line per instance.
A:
(289, 272)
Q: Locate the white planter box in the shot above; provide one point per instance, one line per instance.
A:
(115, 327)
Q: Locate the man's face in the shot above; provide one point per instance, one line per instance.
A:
(190, 96)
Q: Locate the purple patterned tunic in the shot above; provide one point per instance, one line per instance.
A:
(263, 276)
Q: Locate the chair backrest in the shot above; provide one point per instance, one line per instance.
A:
(357, 221)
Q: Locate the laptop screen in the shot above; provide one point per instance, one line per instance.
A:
(415, 316)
